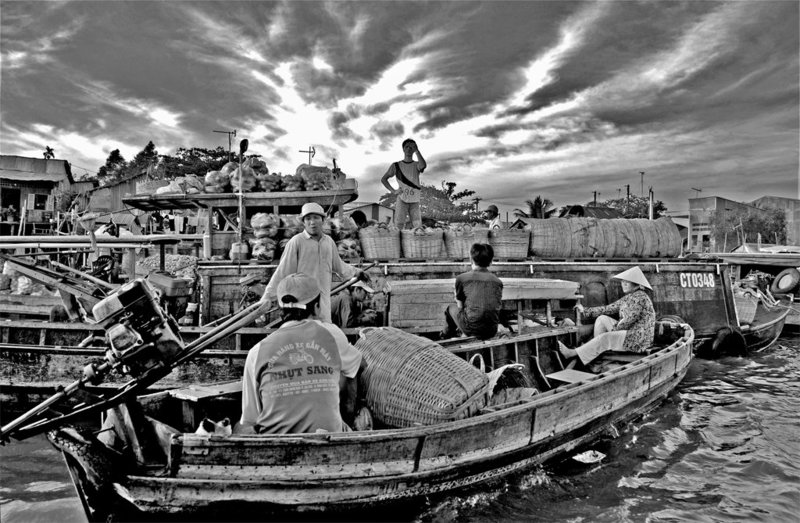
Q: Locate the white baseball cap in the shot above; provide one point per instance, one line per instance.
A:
(311, 208)
(296, 290)
(364, 286)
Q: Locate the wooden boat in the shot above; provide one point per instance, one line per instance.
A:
(166, 470)
(768, 324)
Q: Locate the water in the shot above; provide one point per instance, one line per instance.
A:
(724, 447)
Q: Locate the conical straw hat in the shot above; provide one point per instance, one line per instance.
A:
(634, 275)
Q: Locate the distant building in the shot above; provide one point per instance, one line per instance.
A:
(33, 185)
(371, 211)
(791, 207)
(701, 210)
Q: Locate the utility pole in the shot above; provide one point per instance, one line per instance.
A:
(231, 136)
(696, 191)
(642, 173)
(311, 152)
(477, 200)
(628, 197)
(595, 197)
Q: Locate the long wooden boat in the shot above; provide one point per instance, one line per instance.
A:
(160, 468)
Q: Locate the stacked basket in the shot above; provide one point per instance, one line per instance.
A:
(410, 380)
(380, 242)
(422, 243)
(510, 243)
(459, 238)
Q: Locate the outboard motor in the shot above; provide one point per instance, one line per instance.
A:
(139, 333)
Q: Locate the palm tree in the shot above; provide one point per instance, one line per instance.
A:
(537, 208)
(49, 152)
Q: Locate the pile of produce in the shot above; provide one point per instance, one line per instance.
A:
(263, 249)
(315, 178)
(217, 182)
(244, 175)
(179, 265)
(265, 225)
(293, 183)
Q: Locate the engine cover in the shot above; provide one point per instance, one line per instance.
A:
(140, 334)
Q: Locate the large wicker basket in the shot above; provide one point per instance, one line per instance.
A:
(380, 243)
(410, 380)
(745, 307)
(422, 243)
(458, 241)
(510, 243)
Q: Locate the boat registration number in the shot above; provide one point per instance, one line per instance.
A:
(697, 279)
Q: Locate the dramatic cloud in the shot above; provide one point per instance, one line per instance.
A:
(511, 99)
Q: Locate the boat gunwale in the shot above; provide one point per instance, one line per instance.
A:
(534, 402)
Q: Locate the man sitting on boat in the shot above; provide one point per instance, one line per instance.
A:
(314, 253)
(636, 326)
(347, 305)
(294, 377)
(476, 311)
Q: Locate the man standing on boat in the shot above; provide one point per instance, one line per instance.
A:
(476, 311)
(314, 253)
(493, 217)
(407, 173)
(295, 379)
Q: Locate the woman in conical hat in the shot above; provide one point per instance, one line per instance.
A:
(633, 330)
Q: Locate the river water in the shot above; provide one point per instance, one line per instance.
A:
(724, 447)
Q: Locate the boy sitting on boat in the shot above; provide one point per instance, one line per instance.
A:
(293, 378)
(347, 306)
(636, 326)
(476, 311)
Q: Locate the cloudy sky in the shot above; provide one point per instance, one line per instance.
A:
(510, 99)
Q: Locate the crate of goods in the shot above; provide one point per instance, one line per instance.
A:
(746, 305)
(410, 380)
(510, 243)
(170, 285)
(423, 242)
(380, 242)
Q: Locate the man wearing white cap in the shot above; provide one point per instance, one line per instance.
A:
(313, 253)
(293, 378)
(346, 306)
(636, 326)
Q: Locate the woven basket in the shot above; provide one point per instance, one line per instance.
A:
(421, 243)
(410, 380)
(510, 243)
(380, 243)
(745, 308)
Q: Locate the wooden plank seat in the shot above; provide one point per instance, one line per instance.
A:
(418, 305)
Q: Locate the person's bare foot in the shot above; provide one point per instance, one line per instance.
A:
(566, 351)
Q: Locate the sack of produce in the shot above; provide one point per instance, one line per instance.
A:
(244, 175)
(410, 380)
(229, 167)
(349, 249)
(269, 182)
(315, 178)
(344, 228)
(265, 225)
(292, 183)
(262, 249)
(292, 226)
(217, 182)
(193, 184)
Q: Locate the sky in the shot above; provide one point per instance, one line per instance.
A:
(513, 100)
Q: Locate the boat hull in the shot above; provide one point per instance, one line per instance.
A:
(207, 475)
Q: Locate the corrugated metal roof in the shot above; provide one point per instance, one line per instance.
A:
(22, 168)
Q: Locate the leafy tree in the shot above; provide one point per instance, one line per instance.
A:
(115, 163)
(537, 208)
(442, 204)
(729, 227)
(636, 206)
(195, 160)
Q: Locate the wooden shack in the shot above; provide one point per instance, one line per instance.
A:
(31, 187)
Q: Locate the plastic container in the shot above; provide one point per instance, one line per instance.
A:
(240, 251)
